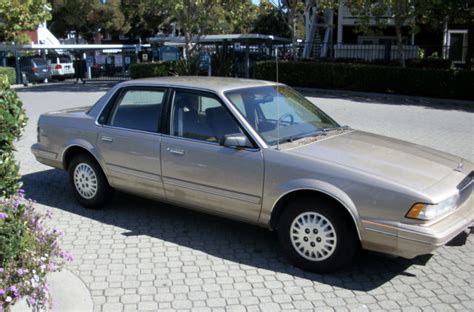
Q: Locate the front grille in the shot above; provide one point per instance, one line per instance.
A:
(465, 188)
(466, 181)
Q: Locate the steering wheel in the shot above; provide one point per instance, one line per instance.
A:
(287, 115)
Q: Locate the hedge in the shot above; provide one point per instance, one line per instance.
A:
(10, 73)
(145, 70)
(372, 78)
(13, 120)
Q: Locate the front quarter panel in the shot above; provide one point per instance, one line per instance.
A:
(368, 199)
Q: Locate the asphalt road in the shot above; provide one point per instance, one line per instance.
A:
(137, 254)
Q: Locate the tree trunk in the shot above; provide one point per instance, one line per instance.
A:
(293, 38)
(188, 44)
(401, 51)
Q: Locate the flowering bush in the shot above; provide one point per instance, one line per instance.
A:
(28, 251)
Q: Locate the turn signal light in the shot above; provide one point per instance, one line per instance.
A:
(415, 211)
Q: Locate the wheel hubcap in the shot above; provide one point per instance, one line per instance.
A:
(313, 236)
(85, 180)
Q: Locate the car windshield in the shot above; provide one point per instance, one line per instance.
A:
(280, 116)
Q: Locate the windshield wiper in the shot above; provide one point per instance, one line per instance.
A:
(307, 135)
(322, 131)
(336, 128)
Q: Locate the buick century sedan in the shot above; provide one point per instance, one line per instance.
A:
(261, 153)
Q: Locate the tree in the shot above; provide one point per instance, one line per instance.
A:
(403, 13)
(17, 16)
(271, 21)
(143, 17)
(294, 10)
(87, 17)
(239, 16)
(441, 13)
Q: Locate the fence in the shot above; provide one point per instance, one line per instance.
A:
(458, 54)
(36, 63)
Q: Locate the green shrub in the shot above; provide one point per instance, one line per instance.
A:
(146, 70)
(189, 67)
(10, 72)
(372, 78)
(12, 121)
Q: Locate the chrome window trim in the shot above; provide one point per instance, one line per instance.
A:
(131, 130)
(229, 106)
(256, 149)
(234, 111)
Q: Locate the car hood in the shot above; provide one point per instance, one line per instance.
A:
(394, 160)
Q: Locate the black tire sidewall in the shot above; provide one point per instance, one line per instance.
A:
(347, 240)
(103, 189)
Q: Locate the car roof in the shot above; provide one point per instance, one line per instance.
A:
(216, 84)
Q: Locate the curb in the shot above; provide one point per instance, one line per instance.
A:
(68, 292)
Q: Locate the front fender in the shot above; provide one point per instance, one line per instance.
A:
(273, 196)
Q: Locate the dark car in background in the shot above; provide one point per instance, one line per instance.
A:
(34, 70)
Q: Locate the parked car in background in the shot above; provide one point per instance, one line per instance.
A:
(62, 67)
(34, 70)
(262, 153)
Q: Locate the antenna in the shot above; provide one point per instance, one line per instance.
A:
(277, 100)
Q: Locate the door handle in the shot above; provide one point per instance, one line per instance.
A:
(106, 139)
(176, 151)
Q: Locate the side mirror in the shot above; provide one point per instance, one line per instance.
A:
(237, 140)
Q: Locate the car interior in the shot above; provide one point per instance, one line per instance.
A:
(191, 118)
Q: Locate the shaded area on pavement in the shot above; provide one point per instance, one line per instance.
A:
(230, 240)
(67, 87)
(390, 99)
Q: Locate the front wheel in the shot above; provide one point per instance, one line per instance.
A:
(317, 237)
(88, 182)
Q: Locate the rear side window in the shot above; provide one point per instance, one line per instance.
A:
(138, 110)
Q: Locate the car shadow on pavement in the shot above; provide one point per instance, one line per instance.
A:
(226, 239)
(68, 86)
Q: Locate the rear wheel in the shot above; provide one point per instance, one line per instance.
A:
(88, 182)
(317, 237)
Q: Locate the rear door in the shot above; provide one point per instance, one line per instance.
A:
(129, 140)
(198, 170)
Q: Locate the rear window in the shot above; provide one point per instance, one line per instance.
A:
(40, 62)
(64, 59)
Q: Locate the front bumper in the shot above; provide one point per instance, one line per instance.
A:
(414, 240)
(409, 240)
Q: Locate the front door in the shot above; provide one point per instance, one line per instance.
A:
(198, 170)
(129, 142)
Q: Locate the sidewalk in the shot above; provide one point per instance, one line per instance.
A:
(68, 292)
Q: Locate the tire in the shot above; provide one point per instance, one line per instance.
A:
(88, 182)
(312, 251)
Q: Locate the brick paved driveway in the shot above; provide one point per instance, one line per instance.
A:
(141, 255)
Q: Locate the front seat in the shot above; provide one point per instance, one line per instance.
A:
(187, 122)
(221, 122)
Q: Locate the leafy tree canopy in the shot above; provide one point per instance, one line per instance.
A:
(17, 16)
(87, 17)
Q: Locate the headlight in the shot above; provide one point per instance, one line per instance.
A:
(427, 211)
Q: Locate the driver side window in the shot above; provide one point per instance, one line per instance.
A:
(201, 117)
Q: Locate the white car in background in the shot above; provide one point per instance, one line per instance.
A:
(62, 67)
